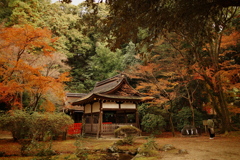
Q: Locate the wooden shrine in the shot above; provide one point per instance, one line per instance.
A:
(111, 104)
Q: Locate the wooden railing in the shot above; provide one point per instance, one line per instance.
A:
(107, 127)
(91, 128)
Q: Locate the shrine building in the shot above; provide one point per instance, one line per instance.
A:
(111, 104)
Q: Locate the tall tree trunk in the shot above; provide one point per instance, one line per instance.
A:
(171, 123)
(190, 98)
(220, 106)
(193, 115)
(170, 119)
(220, 103)
(226, 124)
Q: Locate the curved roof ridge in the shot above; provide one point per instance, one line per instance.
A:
(118, 76)
(108, 84)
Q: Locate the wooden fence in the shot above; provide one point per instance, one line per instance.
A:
(107, 127)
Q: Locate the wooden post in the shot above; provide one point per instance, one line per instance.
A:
(83, 121)
(137, 119)
(99, 130)
(99, 124)
(91, 117)
(125, 116)
(83, 125)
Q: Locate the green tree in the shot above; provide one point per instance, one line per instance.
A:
(66, 22)
(91, 60)
(21, 12)
(105, 63)
(184, 117)
(5, 11)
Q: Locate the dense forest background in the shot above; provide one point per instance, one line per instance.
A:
(185, 54)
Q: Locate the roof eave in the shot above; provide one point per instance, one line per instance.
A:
(98, 97)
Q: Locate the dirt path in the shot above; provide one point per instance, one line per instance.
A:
(202, 148)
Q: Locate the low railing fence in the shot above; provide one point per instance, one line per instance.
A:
(107, 127)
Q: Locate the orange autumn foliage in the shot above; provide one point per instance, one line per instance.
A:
(222, 75)
(152, 86)
(27, 38)
(48, 106)
(230, 40)
(228, 70)
(18, 74)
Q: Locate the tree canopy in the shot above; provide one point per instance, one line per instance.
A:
(157, 16)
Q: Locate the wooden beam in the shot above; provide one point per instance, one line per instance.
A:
(137, 119)
(91, 117)
(99, 124)
(83, 124)
(99, 130)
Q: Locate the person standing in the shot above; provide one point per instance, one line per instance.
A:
(211, 131)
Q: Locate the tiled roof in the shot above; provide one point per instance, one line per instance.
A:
(107, 89)
(108, 84)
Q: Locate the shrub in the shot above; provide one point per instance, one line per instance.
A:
(153, 123)
(54, 124)
(18, 123)
(23, 125)
(150, 148)
(128, 132)
(126, 140)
